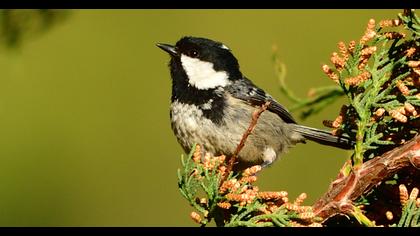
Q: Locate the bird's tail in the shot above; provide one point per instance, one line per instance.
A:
(324, 137)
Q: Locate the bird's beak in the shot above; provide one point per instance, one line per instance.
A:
(168, 48)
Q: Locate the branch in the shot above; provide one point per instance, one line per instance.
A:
(347, 188)
(255, 116)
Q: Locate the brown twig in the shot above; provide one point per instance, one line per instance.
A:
(349, 187)
(255, 116)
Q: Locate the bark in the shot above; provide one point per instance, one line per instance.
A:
(347, 188)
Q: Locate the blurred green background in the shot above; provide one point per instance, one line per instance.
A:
(84, 120)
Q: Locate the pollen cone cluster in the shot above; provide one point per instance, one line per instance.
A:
(238, 191)
(352, 69)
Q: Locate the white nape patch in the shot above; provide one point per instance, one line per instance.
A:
(202, 75)
(269, 156)
(207, 105)
(225, 47)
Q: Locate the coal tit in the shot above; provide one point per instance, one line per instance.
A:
(212, 103)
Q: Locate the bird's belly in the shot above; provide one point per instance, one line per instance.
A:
(268, 139)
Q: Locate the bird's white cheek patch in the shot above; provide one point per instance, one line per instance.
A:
(202, 75)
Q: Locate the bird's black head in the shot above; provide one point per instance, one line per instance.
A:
(202, 63)
(201, 69)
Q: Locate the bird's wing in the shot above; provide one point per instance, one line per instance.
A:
(245, 90)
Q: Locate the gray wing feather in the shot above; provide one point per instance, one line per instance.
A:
(245, 90)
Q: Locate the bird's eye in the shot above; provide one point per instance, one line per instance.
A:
(193, 53)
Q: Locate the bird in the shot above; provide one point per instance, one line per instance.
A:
(212, 103)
